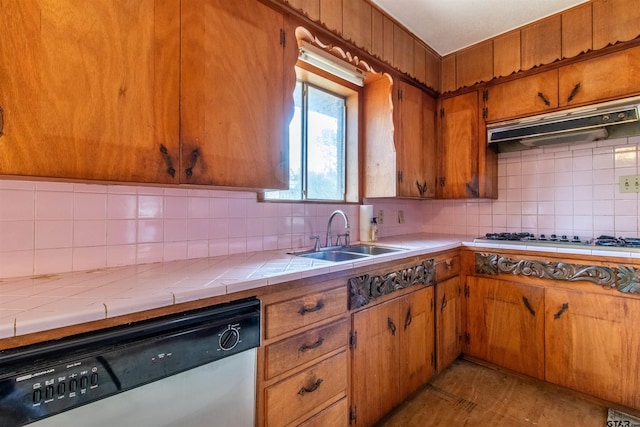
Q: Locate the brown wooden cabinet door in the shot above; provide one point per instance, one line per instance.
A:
(606, 77)
(448, 309)
(356, 18)
(237, 82)
(522, 97)
(409, 140)
(417, 339)
(506, 324)
(615, 21)
(374, 364)
(90, 90)
(592, 344)
(459, 147)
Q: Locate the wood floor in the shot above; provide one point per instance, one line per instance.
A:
(467, 394)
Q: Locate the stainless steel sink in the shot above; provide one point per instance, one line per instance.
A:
(347, 253)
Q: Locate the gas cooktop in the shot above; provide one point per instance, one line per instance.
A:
(554, 239)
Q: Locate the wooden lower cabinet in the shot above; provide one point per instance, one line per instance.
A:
(393, 354)
(592, 344)
(449, 330)
(505, 324)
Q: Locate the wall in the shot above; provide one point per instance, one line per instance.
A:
(562, 189)
(50, 227)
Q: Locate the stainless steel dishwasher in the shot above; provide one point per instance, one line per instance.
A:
(192, 369)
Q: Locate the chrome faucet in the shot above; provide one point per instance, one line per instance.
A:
(346, 226)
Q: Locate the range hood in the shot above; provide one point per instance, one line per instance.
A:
(585, 124)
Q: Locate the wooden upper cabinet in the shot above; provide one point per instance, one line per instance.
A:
(415, 142)
(419, 61)
(357, 23)
(577, 30)
(521, 97)
(432, 71)
(388, 28)
(474, 64)
(466, 168)
(311, 8)
(90, 90)
(331, 15)
(377, 33)
(615, 21)
(602, 78)
(403, 51)
(541, 42)
(506, 54)
(238, 79)
(448, 73)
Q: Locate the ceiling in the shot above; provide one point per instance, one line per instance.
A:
(450, 25)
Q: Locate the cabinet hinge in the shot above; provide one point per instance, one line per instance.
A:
(433, 360)
(352, 415)
(485, 95)
(485, 113)
(432, 305)
(441, 113)
(399, 176)
(353, 340)
(466, 290)
(467, 338)
(283, 38)
(399, 94)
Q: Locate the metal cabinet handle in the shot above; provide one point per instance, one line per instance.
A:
(1, 121)
(527, 304)
(544, 98)
(304, 310)
(392, 326)
(422, 189)
(564, 308)
(574, 92)
(306, 347)
(167, 158)
(311, 389)
(408, 319)
(194, 159)
(444, 303)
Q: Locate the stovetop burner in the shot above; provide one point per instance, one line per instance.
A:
(528, 238)
(622, 242)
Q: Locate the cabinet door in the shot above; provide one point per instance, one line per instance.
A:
(592, 344)
(459, 150)
(90, 89)
(606, 77)
(409, 140)
(448, 306)
(417, 339)
(522, 97)
(374, 363)
(506, 324)
(236, 76)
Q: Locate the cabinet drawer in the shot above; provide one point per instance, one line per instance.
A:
(336, 415)
(299, 394)
(303, 311)
(447, 268)
(302, 348)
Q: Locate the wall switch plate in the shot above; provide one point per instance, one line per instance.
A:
(380, 217)
(400, 216)
(630, 184)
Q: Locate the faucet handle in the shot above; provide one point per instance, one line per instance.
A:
(316, 245)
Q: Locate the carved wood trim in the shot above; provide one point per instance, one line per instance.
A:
(624, 278)
(366, 288)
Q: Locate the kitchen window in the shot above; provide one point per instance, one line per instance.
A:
(323, 140)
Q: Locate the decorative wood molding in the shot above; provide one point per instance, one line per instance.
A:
(366, 288)
(304, 34)
(624, 278)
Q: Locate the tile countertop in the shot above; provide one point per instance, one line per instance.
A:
(36, 304)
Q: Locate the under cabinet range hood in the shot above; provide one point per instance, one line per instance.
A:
(585, 124)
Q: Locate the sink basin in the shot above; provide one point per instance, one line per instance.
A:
(371, 249)
(348, 253)
(337, 255)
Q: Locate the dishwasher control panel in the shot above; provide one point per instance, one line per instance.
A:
(46, 385)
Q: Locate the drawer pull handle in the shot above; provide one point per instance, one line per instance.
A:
(304, 310)
(564, 308)
(527, 304)
(574, 92)
(316, 344)
(311, 389)
(444, 303)
(391, 325)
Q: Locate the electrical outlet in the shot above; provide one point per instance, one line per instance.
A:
(380, 216)
(400, 216)
(630, 184)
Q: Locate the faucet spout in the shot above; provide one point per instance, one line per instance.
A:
(346, 224)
